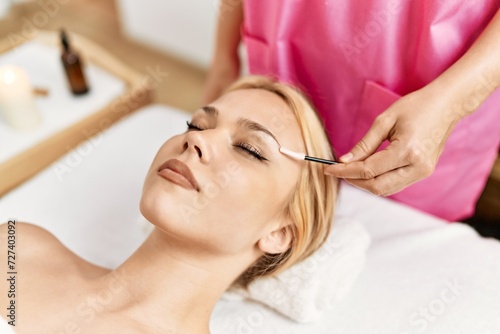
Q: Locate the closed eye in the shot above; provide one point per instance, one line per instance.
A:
(250, 150)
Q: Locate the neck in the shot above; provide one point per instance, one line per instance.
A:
(168, 286)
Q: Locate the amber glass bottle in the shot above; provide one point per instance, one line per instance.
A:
(72, 67)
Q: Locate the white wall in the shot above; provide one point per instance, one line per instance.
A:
(184, 28)
(4, 8)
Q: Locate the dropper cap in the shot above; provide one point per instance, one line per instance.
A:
(64, 39)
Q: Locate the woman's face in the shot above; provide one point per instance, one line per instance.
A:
(240, 181)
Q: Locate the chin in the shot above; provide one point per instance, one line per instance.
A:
(167, 212)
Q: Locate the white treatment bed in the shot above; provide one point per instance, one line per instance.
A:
(421, 275)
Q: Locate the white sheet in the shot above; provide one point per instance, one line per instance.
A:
(422, 275)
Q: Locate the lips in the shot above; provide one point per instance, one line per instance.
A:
(179, 173)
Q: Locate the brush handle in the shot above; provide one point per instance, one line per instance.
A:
(323, 161)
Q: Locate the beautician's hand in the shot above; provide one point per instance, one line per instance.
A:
(417, 126)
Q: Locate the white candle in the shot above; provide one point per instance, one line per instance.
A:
(17, 104)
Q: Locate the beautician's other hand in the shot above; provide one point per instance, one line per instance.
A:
(417, 126)
(225, 66)
(223, 72)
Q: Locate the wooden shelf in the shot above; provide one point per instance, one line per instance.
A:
(29, 162)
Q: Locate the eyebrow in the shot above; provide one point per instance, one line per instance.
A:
(211, 111)
(242, 122)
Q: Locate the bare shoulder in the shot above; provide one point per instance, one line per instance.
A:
(24, 238)
(47, 274)
(27, 253)
(11, 224)
(38, 247)
(27, 229)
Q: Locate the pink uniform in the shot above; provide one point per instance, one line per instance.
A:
(354, 58)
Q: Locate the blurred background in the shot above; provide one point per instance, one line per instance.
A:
(176, 37)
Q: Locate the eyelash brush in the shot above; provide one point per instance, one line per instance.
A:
(303, 156)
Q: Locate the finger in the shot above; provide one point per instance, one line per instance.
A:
(375, 165)
(351, 170)
(389, 183)
(377, 133)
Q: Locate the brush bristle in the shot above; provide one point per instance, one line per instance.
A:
(292, 154)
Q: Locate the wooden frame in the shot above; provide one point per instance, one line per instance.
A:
(29, 162)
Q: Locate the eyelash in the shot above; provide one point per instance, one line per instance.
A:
(247, 148)
(192, 126)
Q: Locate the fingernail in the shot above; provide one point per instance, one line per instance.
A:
(346, 157)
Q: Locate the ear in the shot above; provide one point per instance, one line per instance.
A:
(277, 241)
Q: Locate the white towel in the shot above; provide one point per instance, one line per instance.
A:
(306, 290)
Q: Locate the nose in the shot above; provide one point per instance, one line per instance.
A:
(196, 143)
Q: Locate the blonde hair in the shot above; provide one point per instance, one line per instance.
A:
(312, 202)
